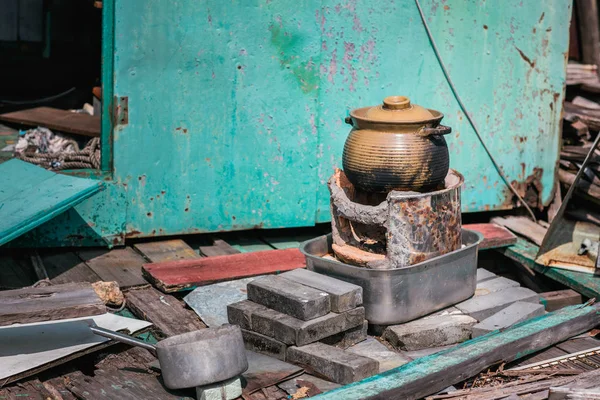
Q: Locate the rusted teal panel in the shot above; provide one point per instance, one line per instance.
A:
(506, 58)
(236, 108)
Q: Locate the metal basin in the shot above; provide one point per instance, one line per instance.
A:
(393, 296)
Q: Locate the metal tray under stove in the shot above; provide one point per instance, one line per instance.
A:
(393, 296)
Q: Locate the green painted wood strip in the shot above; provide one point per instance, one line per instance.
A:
(432, 373)
(32, 195)
(525, 252)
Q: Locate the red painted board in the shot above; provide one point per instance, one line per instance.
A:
(494, 236)
(174, 276)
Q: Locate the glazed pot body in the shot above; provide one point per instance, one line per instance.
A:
(380, 157)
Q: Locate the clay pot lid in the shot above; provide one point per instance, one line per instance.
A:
(399, 109)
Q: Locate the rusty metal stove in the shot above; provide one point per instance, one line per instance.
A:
(395, 229)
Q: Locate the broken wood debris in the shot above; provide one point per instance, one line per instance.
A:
(36, 304)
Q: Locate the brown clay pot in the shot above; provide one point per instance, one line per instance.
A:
(396, 146)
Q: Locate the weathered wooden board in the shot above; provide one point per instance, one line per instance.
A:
(578, 344)
(123, 385)
(54, 118)
(29, 390)
(525, 252)
(524, 227)
(166, 312)
(174, 276)
(166, 250)
(15, 270)
(494, 236)
(121, 265)
(24, 306)
(430, 374)
(64, 266)
(559, 298)
(218, 248)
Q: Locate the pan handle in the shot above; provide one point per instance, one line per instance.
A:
(120, 337)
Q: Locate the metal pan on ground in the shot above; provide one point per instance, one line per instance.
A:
(196, 358)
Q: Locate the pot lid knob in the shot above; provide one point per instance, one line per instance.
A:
(396, 102)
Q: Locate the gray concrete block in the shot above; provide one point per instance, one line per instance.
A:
(494, 285)
(264, 345)
(240, 313)
(293, 331)
(343, 296)
(290, 330)
(335, 364)
(226, 390)
(515, 313)
(432, 332)
(387, 359)
(482, 307)
(484, 275)
(348, 338)
(289, 297)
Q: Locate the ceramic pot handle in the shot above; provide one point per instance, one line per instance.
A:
(438, 130)
(348, 120)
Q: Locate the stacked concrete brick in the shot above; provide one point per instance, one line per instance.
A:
(497, 304)
(308, 319)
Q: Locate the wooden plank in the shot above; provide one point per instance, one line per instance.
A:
(56, 119)
(180, 275)
(64, 266)
(218, 248)
(524, 253)
(166, 250)
(123, 266)
(15, 270)
(433, 373)
(49, 303)
(550, 352)
(524, 227)
(123, 384)
(166, 312)
(559, 299)
(494, 236)
(589, 33)
(578, 344)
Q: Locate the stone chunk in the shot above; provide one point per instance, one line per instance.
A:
(431, 332)
(264, 345)
(484, 275)
(494, 285)
(335, 364)
(344, 296)
(226, 390)
(482, 307)
(511, 315)
(376, 350)
(348, 338)
(289, 297)
(444, 312)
